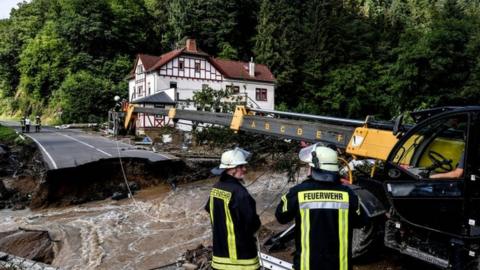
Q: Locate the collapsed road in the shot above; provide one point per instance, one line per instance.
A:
(81, 167)
(71, 148)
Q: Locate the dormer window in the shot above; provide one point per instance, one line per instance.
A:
(139, 69)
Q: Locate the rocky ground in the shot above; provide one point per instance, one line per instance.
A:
(21, 173)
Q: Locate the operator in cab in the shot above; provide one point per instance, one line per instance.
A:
(456, 173)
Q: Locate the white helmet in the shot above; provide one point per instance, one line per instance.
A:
(231, 159)
(320, 157)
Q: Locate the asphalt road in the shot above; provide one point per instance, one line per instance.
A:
(66, 148)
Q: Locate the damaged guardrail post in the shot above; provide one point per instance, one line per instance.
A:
(237, 119)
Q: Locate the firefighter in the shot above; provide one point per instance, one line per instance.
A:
(233, 215)
(22, 124)
(27, 124)
(38, 123)
(325, 212)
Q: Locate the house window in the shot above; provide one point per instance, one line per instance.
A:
(173, 84)
(261, 94)
(140, 91)
(139, 69)
(180, 65)
(149, 89)
(197, 67)
(161, 106)
(234, 89)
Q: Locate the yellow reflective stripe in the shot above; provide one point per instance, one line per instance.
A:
(343, 238)
(323, 196)
(211, 208)
(234, 266)
(284, 200)
(308, 238)
(224, 260)
(221, 194)
(225, 196)
(240, 264)
(232, 248)
(305, 239)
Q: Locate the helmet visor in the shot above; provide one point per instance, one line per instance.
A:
(305, 153)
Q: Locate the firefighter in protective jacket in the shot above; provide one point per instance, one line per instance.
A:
(233, 216)
(325, 211)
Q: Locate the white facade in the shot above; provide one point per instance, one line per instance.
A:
(186, 73)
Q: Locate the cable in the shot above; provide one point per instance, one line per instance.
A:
(130, 194)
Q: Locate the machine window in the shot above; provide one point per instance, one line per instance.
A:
(435, 149)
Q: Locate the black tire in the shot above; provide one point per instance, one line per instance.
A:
(369, 239)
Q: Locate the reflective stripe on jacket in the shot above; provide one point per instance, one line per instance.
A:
(234, 222)
(325, 214)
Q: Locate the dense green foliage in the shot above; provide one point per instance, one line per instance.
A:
(66, 59)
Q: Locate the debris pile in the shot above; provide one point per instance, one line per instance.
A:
(198, 258)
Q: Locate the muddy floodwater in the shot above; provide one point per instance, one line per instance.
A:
(148, 232)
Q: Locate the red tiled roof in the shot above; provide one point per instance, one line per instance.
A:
(148, 60)
(229, 69)
(239, 70)
(165, 58)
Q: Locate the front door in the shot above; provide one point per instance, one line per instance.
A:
(426, 172)
(473, 182)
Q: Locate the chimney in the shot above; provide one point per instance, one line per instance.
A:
(191, 45)
(251, 68)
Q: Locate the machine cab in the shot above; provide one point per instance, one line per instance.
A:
(428, 177)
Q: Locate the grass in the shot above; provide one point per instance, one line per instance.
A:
(10, 137)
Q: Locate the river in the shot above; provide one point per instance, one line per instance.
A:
(154, 229)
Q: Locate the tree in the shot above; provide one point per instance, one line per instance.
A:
(277, 45)
(211, 22)
(210, 99)
(42, 66)
(432, 64)
(82, 97)
(87, 26)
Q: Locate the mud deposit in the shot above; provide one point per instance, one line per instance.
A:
(33, 245)
(99, 180)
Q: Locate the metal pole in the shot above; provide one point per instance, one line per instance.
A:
(314, 117)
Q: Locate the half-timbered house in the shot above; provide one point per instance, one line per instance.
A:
(172, 79)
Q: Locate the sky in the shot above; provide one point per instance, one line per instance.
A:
(6, 6)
